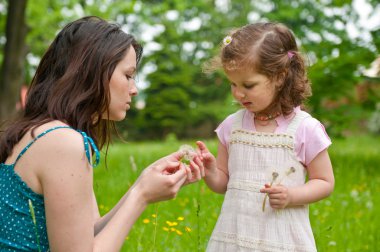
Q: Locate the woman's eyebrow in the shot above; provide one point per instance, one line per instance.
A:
(131, 69)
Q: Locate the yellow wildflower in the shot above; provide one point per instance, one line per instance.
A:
(146, 221)
(178, 232)
(180, 218)
(165, 229)
(187, 229)
(171, 224)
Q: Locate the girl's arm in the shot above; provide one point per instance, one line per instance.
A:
(319, 186)
(66, 179)
(216, 170)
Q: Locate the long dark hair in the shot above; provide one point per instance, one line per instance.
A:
(71, 83)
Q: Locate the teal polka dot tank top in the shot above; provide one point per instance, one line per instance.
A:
(20, 230)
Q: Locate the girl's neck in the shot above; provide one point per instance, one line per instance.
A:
(270, 113)
(268, 126)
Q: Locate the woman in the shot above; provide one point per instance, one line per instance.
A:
(85, 82)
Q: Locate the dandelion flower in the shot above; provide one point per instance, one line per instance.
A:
(187, 152)
(146, 221)
(274, 177)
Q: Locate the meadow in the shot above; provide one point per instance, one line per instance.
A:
(346, 221)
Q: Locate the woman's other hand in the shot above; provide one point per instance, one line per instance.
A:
(162, 179)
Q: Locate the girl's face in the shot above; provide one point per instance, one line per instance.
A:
(252, 90)
(122, 87)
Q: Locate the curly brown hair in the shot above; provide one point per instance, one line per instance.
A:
(269, 49)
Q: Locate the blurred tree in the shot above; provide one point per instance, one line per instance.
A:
(12, 69)
(179, 36)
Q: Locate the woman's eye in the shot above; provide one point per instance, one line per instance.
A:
(232, 84)
(129, 77)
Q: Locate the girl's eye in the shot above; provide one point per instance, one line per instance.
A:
(232, 84)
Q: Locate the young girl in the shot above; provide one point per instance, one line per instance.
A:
(267, 148)
(84, 82)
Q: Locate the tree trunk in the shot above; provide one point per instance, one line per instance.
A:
(12, 71)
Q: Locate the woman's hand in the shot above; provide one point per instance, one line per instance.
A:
(162, 179)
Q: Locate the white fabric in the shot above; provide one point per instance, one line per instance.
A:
(242, 225)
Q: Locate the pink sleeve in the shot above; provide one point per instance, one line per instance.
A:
(311, 139)
(223, 131)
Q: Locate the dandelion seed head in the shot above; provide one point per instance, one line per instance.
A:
(187, 151)
(274, 175)
(290, 171)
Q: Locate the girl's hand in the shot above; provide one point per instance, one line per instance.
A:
(195, 170)
(279, 195)
(162, 179)
(209, 161)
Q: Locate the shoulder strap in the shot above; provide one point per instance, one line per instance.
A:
(238, 121)
(87, 141)
(298, 118)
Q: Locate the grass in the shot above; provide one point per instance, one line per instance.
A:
(346, 221)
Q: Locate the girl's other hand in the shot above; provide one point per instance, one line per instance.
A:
(162, 179)
(279, 195)
(209, 161)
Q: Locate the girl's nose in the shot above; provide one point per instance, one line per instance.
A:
(240, 94)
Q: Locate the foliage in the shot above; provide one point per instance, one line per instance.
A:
(179, 36)
(346, 221)
(374, 121)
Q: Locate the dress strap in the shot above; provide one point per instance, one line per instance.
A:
(87, 141)
(293, 126)
(238, 121)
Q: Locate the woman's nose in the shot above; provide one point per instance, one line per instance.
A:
(133, 91)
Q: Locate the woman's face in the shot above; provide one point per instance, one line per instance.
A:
(122, 87)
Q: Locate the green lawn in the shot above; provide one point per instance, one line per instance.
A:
(346, 221)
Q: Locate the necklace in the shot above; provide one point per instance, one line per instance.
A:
(267, 117)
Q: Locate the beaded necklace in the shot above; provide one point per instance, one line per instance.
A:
(267, 117)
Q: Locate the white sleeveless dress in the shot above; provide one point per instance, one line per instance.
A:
(242, 224)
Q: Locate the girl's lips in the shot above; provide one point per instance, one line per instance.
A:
(246, 103)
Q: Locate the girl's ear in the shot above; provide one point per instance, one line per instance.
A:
(279, 80)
